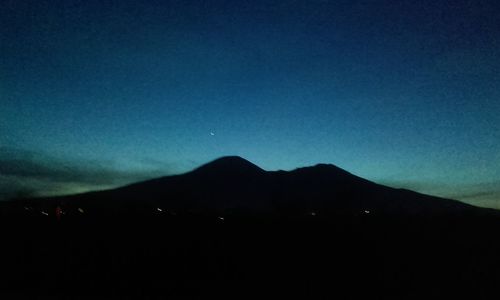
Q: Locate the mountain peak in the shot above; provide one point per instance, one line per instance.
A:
(323, 167)
(229, 164)
(231, 158)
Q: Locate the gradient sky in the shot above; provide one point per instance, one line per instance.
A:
(95, 94)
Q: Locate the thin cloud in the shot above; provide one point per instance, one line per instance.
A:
(27, 173)
(485, 194)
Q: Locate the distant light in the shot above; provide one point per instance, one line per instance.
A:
(26, 208)
(313, 214)
(44, 213)
(367, 211)
(212, 133)
(159, 209)
(81, 210)
(221, 218)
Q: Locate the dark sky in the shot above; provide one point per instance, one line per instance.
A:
(95, 94)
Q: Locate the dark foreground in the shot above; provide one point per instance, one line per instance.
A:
(160, 255)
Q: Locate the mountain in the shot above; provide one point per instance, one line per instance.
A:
(230, 228)
(232, 185)
(229, 165)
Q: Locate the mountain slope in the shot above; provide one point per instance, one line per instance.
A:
(233, 185)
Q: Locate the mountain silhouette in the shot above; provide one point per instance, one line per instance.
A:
(313, 231)
(232, 185)
(229, 165)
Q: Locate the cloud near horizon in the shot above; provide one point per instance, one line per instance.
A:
(484, 194)
(26, 173)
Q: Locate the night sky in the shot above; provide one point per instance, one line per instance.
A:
(95, 94)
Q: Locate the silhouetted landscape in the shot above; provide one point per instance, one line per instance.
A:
(232, 229)
(116, 119)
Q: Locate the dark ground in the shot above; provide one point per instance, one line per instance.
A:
(182, 256)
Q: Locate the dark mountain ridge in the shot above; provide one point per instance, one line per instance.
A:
(230, 228)
(229, 165)
(233, 185)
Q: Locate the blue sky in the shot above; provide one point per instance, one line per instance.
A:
(402, 93)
